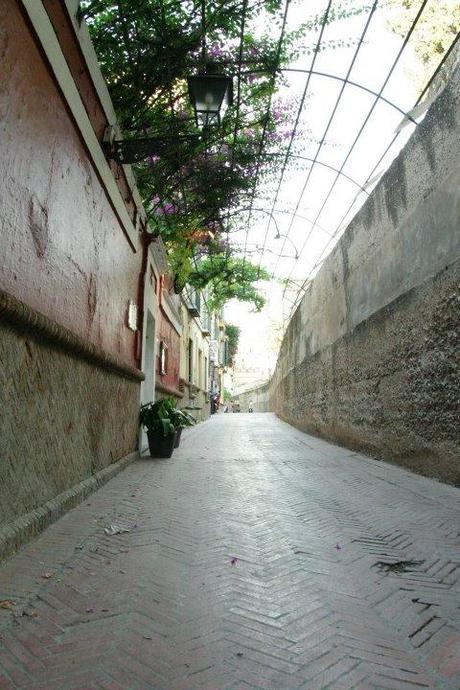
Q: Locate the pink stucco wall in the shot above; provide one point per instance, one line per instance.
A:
(62, 250)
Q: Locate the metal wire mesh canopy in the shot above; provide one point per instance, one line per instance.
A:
(322, 104)
(354, 112)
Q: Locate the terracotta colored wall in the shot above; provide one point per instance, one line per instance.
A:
(62, 249)
(70, 46)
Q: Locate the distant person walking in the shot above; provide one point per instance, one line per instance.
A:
(251, 407)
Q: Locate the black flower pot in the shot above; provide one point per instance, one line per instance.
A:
(161, 446)
(177, 439)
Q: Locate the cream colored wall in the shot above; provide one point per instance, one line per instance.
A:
(196, 396)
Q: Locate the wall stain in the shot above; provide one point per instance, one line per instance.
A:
(29, 349)
(445, 109)
(39, 225)
(92, 298)
(395, 186)
(368, 212)
(7, 69)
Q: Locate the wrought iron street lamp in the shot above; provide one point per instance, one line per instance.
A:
(128, 151)
(210, 96)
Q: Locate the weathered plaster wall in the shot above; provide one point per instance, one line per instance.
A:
(61, 246)
(370, 358)
(67, 272)
(196, 392)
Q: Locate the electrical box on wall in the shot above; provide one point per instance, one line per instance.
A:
(132, 315)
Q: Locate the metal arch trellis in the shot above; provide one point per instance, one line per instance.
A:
(325, 165)
(361, 129)
(331, 117)
(264, 131)
(238, 106)
(288, 154)
(271, 213)
(276, 69)
(321, 258)
(349, 82)
(371, 110)
(299, 111)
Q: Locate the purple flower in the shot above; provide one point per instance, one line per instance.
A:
(213, 226)
(160, 209)
(217, 51)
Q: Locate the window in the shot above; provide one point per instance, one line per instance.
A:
(190, 361)
(205, 386)
(163, 358)
(200, 368)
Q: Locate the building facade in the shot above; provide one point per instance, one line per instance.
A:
(194, 359)
(219, 357)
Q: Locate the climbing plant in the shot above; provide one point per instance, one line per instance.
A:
(194, 181)
(229, 277)
(233, 334)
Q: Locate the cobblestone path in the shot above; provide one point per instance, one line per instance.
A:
(257, 557)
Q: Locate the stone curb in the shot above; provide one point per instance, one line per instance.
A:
(23, 529)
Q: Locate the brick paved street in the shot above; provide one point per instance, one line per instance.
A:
(258, 557)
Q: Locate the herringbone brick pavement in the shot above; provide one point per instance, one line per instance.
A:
(257, 557)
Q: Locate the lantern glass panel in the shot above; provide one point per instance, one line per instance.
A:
(209, 95)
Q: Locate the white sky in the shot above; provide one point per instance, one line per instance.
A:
(313, 243)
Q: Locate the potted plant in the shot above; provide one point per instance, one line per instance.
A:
(181, 419)
(178, 418)
(161, 432)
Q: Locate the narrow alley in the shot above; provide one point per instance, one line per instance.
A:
(257, 557)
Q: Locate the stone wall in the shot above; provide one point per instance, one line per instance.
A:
(68, 409)
(370, 358)
(259, 397)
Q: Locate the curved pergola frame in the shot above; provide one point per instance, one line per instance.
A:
(283, 211)
(325, 165)
(327, 75)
